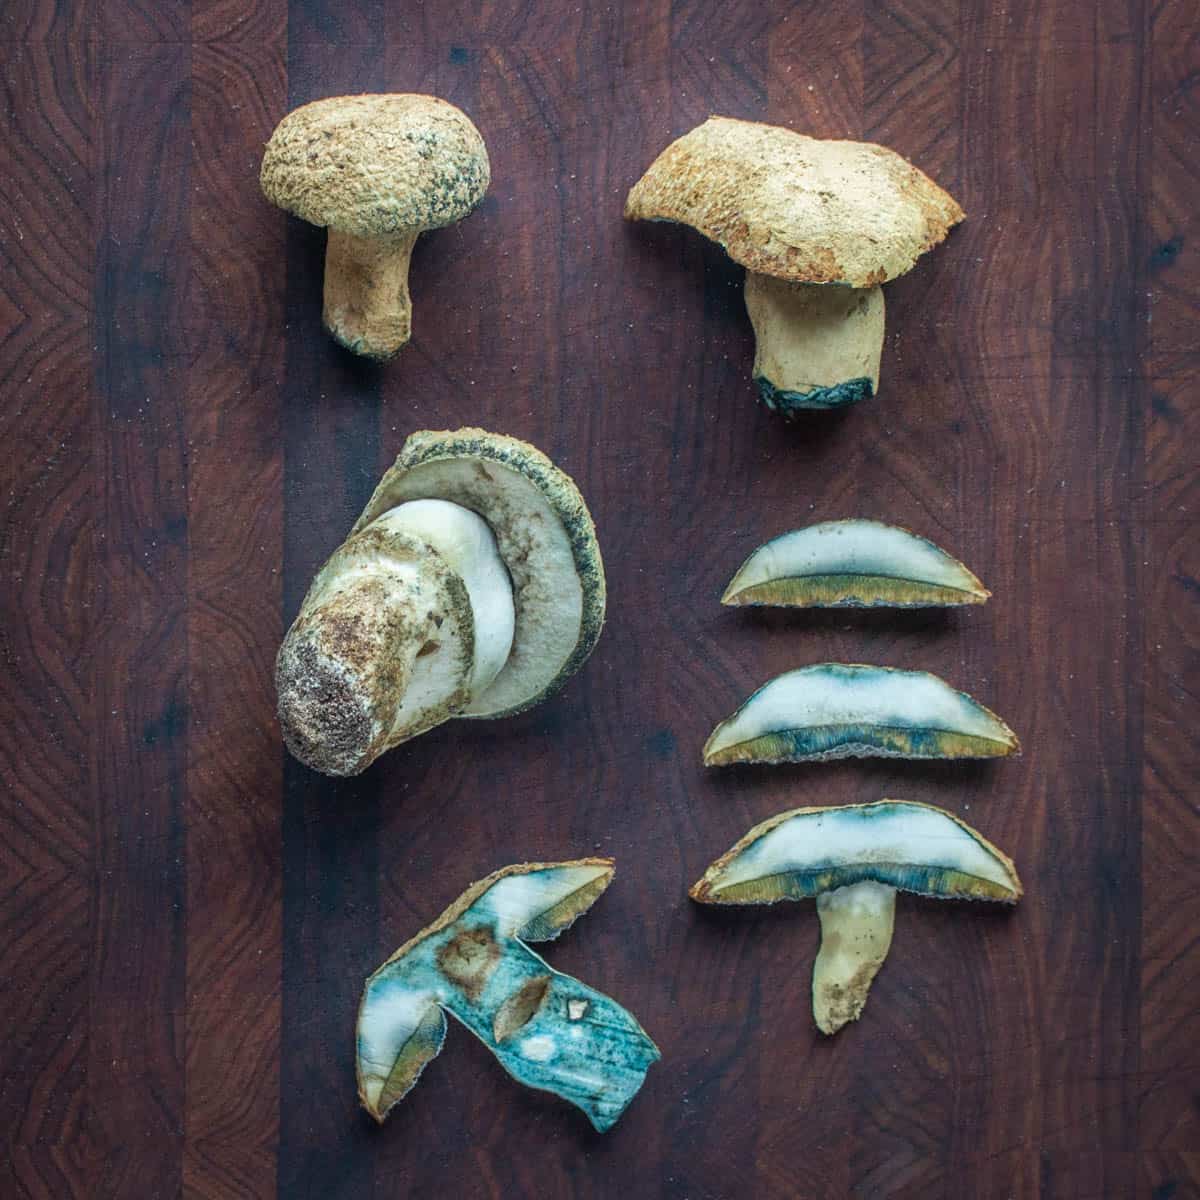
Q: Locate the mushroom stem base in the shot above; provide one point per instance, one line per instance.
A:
(856, 933)
(818, 344)
(367, 305)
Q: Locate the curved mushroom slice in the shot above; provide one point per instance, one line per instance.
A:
(378, 171)
(853, 564)
(549, 1031)
(853, 860)
(844, 710)
(818, 225)
(546, 538)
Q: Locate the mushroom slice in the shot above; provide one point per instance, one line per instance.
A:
(546, 538)
(840, 710)
(548, 1031)
(853, 564)
(378, 171)
(818, 225)
(853, 860)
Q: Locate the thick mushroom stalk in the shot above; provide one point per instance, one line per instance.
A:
(367, 305)
(856, 934)
(818, 345)
(410, 618)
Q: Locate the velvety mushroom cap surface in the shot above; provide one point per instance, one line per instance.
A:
(797, 207)
(546, 538)
(376, 165)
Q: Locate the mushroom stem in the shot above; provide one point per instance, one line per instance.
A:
(367, 305)
(856, 932)
(818, 344)
(346, 664)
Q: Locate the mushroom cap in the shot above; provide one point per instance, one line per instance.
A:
(546, 538)
(853, 564)
(376, 165)
(899, 843)
(797, 207)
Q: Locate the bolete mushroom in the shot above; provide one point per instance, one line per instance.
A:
(818, 225)
(853, 860)
(846, 710)
(547, 1030)
(377, 170)
(852, 564)
(471, 586)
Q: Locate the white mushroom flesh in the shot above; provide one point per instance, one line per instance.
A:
(466, 542)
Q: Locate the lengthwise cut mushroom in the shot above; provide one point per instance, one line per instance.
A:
(547, 1030)
(852, 564)
(471, 586)
(853, 860)
(848, 710)
(818, 225)
(378, 171)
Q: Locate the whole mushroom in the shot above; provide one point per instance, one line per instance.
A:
(378, 171)
(471, 586)
(818, 225)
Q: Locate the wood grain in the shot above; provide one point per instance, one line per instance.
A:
(188, 914)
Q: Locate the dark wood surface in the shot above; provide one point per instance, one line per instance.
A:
(188, 916)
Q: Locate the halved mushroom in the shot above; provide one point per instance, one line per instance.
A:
(853, 564)
(471, 586)
(853, 860)
(378, 171)
(845, 710)
(548, 1030)
(818, 225)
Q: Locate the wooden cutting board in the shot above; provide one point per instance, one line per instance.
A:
(188, 915)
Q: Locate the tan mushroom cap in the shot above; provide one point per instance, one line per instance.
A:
(376, 165)
(797, 207)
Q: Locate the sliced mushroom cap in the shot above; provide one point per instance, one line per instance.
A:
(546, 538)
(548, 1031)
(377, 170)
(818, 225)
(796, 207)
(853, 860)
(847, 710)
(913, 847)
(854, 564)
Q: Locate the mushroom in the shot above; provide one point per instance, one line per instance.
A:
(377, 171)
(853, 860)
(846, 710)
(818, 225)
(853, 564)
(547, 1030)
(470, 586)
